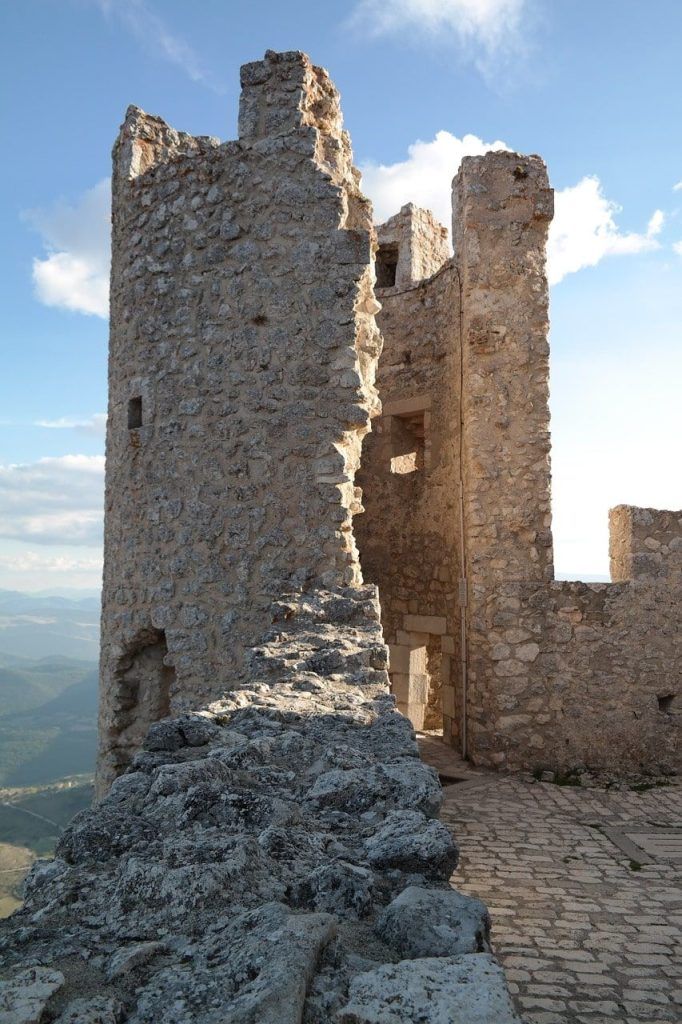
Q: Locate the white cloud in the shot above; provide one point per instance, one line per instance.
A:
(492, 24)
(677, 246)
(425, 178)
(55, 500)
(75, 273)
(95, 424)
(677, 187)
(584, 230)
(26, 569)
(145, 25)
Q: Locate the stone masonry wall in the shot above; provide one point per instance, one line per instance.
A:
(409, 534)
(578, 675)
(645, 543)
(560, 675)
(412, 247)
(552, 668)
(242, 356)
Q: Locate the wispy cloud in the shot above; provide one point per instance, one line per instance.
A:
(55, 500)
(584, 230)
(677, 187)
(95, 424)
(75, 272)
(28, 569)
(677, 246)
(486, 27)
(152, 33)
(424, 178)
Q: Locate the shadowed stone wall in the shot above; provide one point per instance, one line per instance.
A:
(409, 534)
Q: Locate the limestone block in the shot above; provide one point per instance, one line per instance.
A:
(23, 998)
(399, 658)
(426, 624)
(448, 698)
(400, 686)
(418, 689)
(448, 990)
(447, 644)
(428, 922)
(416, 714)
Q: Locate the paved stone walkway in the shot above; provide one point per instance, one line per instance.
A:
(585, 932)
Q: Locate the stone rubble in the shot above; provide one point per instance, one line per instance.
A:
(273, 858)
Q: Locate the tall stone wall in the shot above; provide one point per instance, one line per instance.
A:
(559, 675)
(242, 356)
(549, 668)
(409, 534)
(502, 208)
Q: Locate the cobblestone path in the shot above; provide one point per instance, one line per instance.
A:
(585, 932)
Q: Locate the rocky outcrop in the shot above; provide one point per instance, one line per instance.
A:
(273, 858)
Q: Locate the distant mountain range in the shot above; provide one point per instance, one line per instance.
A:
(49, 646)
(38, 625)
(48, 720)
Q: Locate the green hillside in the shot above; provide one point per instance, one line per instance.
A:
(48, 721)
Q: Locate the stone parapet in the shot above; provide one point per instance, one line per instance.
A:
(645, 544)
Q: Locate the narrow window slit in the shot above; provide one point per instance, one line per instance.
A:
(135, 413)
(386, 266)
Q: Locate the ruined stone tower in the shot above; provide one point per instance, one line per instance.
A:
(241, 371)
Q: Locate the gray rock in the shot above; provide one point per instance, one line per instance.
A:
(410, 842)
(102, 833)
(24, 997)
(454, 990)
(406, 784)
(129, 957)
(255, 969)
(97, 1010)
(435, 922)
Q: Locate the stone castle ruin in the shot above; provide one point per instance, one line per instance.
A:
(266, 847)
(249, 297)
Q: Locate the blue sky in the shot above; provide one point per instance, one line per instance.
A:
(594, 88)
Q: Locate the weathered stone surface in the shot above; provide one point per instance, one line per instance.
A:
(452, 990)
(242, 355)
(23, 997)
(409, 842)
(457, 533)
(434, 922)
(97, 1010)
(208, 886)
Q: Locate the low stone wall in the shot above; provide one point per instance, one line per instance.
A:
(570, 675)
(645, 543)
(272, 859)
